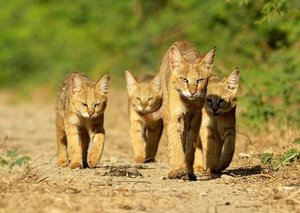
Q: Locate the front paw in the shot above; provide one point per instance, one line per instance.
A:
(149, 160)
(139, 159)
(181, 174)
(92, 163)
(75, 165)
(198, 169)
(62, 163)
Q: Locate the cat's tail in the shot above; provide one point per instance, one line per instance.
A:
(154, 116)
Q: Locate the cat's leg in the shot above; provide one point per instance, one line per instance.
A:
(85, 140)
(228, 149)
(198, 162)
(191, 141)
(96, 147)
(62, 153)
(211, 158)
(153, 137)
(138, 140)
(176, 141)
(74, 146)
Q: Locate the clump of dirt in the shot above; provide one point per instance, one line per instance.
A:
(123, 171)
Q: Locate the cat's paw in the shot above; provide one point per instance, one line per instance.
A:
(139, 159)
(208, 172)
(62, 163)
(181, 174)
(198, 169)
(92, 163)
(76, 165)
(149, 160)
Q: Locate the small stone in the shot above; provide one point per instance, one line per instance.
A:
(163, 178)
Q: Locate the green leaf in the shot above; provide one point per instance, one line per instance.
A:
(20, 161)
(266, 158)
(12, 153)
(3, 162)
(296, 141)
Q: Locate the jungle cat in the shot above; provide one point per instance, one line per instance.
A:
(79, 120)
(184, 75)
(145, 96)
(215, 147)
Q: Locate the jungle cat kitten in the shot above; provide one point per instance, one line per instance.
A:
(217, 133)
(145, 96)
(184, 75)
(79, 120)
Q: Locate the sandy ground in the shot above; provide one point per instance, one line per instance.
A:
(244, 187)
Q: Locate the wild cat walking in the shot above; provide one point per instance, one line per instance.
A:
(80, 109)
(216, 144)
(144, 96)
(184, 74)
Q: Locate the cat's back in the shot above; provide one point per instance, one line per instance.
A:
(146, 78)
(188, 51)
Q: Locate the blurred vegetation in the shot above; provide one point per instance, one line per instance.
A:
(42, 40)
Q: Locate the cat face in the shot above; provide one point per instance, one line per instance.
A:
(221, 94)
(190, 79)
(88, 99)
(145, 96)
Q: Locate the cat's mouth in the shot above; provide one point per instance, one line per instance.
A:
(216, 113)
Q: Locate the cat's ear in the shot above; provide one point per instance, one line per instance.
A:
(156, 82)
(232, 82)
(207, 60)
(131, 82)
(103, 84)
(176, 59)
(76, 83)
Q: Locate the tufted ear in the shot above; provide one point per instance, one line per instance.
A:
(103, 84)
(76, 83)
(131, 82)
(232, 82)
(175, 57)
(208, 59)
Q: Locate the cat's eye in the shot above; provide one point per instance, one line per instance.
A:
(220, 101)
(84, 104)
(150, 98)
(184, 80)
(209, 100)
(97, 104)
(138, 98)
(199, 80)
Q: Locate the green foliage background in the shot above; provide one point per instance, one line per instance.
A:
(42, 40)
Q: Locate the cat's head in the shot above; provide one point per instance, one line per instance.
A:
(190, 79)
(88, 99)
(221, 94)
(144, 96)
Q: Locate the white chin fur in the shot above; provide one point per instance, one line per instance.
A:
(85, 115)
(188, 95)
(139, 108)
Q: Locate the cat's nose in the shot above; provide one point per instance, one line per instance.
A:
(192, 91)
(215, 110)
(91, 113)
(143, 104)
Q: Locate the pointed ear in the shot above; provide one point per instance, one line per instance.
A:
(76, 83)
(232, 82)
(175, 57)
(131, 81)
(156, 82)
(208, 59)
(103, 84)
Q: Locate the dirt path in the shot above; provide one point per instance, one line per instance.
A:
(244, 187)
